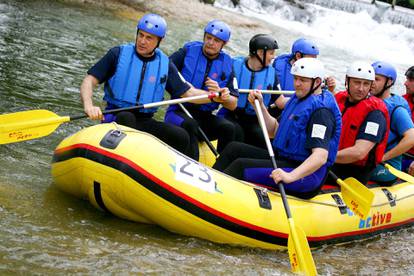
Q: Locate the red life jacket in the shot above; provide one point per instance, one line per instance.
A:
(352, 120)
(410, 100)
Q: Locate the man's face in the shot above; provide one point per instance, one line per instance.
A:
(303, 85)
(299, 56)
(378, 84)
(409, 85)
(270, 55)
(146, 43)
(212, 45)
(358, 89)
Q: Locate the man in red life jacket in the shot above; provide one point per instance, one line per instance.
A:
(365, 124)
(408, 160)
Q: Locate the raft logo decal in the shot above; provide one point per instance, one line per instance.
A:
(376, 219)
(194, 174)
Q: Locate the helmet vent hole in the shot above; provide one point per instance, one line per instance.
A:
(212, 26)
(302, 67)
(359, 69)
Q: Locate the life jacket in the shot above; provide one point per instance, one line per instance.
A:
(282, 66)
(352, 119)
(195, 70)
(392, 103)
(410, 100)
(292, 131)
(246, 79)
(126, 88)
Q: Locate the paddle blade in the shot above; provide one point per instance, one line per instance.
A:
(357, 196)
(300, 255)
(401, 175)
(27, 125)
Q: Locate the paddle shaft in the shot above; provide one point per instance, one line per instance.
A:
(272, 155)
(400, 174)
(409, 155)
(300, 254)
(203, 135)
(276, 92)
(150, 105)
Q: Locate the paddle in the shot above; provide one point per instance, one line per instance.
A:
(203, 135)
(32, 124)
(401, 175)
(276, 92)
(356, 195)
(299, 252)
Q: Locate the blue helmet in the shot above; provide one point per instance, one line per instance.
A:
(153, 24)
(385, 69)
(305, 47)
(218, 29)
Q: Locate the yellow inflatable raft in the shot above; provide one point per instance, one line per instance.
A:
(137, 177)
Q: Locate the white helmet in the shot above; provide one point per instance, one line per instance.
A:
(361, 70)
(309, 68)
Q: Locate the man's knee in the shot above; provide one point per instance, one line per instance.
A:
(190, 125)
(126, 118)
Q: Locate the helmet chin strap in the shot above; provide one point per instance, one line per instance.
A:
(312, 89)
(262, 60)
(384, 88)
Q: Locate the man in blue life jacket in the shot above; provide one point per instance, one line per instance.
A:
(301, 48)
(306, 139)
(138, 74)
(401, 135)
(253, 72)
(205, 66)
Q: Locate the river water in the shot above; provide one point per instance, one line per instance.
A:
(45, 49)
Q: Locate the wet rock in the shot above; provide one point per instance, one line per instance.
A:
(211, 2)
(235, 2)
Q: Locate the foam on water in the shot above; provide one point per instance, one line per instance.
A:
(359, 34)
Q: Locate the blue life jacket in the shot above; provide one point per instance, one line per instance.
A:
(282, 66)
(195, 67)
(126, 88)
(392, 103)
(246, 79)
(292, 131)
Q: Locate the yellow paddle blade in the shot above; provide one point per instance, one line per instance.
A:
(401, 175)
(206, 155)
(357, 196)
(300, 254)
(27, 125)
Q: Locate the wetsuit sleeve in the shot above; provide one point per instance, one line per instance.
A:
(105, 68)
(230, 85)
(176, 84)
(320, 130)
(401, 121)
(178, 58)
(374, 127)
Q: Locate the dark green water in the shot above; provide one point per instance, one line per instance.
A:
(45, 50)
